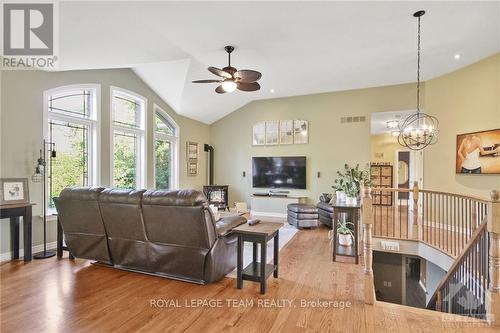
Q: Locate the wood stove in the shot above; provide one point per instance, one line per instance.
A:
(217, 195)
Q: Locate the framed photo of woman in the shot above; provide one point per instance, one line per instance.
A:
(478, 152)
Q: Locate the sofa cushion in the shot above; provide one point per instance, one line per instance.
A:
(174, 198)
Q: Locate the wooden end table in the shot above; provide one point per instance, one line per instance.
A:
(14, 211)
(260, 233)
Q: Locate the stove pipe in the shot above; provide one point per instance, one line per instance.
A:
(210, 151)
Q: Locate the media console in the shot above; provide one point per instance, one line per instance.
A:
(264, 204)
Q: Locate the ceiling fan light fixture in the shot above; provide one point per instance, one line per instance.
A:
(228, 85)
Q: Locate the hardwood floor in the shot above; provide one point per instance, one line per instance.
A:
(59, 295)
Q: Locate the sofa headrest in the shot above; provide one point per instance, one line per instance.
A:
(81, 193)
(174, 198)
(113, 195)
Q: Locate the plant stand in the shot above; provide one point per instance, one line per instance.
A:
(353, 213)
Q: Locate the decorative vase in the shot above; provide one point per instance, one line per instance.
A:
(345, 239)
(351, 200)
(340, 195)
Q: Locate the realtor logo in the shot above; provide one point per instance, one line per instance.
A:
(29, 39)
(28, 29)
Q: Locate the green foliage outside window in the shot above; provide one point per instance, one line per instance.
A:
(162, 164)
(124, 161)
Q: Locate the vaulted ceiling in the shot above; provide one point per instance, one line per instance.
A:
(300, 47)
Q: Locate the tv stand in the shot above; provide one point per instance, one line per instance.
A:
(273, 205)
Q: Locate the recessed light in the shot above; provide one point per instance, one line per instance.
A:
(457, 56)
(271, 91)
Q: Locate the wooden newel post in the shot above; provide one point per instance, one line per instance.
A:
(493, 292)
(416, 227)
(367, 219)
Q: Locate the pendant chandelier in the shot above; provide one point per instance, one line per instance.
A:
(419, 130)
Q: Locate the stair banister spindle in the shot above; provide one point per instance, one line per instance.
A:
(416, 228)
(367, 219)
(493, 292)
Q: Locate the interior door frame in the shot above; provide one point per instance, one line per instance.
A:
(416, 167)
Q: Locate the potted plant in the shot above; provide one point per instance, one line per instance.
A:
(339, 186)
(349, 182)
(351, 192)
(345, 233)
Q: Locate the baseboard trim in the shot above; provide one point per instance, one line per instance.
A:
(7, 256)
(269, 214)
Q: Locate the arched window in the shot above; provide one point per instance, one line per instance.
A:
(128, 139)
(72, 130)
(166, 133)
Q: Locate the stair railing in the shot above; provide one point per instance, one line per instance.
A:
(452, 223)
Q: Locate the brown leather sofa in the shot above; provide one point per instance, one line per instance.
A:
(168, 233)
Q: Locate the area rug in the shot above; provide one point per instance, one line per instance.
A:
(286, 234)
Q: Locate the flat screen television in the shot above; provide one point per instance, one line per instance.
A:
(279, 172)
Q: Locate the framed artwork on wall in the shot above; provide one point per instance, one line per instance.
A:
(272, 132)
(192, 168)
(192, 151)
(300, 131)
(478, 152)
(14, 191)
(259, 134)
(286, 132)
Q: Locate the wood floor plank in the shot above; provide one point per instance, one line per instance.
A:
(59, 295)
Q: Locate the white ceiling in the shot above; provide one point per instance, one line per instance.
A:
(379, 120)
(300, 47)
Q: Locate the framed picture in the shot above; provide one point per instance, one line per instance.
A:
(192, 168)
(300, 131)
(478, 152)
(259, 134)
(286, 132)
(272, 132)
(192, 150)
(14, 191)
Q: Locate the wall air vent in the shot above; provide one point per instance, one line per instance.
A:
(352, 119)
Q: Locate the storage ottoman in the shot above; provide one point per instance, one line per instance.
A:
(302, 215)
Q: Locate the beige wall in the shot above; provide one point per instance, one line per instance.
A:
(21, 129)
(387, 145)
(467, 100)
(331, 144)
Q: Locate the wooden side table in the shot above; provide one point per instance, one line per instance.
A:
(353, 211)
(260, 233)
(13, 212)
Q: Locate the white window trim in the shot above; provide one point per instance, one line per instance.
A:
(94, 123)
(139, 132)
(174, 175)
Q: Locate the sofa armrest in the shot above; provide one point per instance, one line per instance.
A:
(226, 224)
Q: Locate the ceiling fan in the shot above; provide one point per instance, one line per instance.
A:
(232, 78)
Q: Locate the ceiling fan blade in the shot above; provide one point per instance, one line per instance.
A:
(206, 81)
(248, 86)
(219, 72)
(247, 75)
(220, 90)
